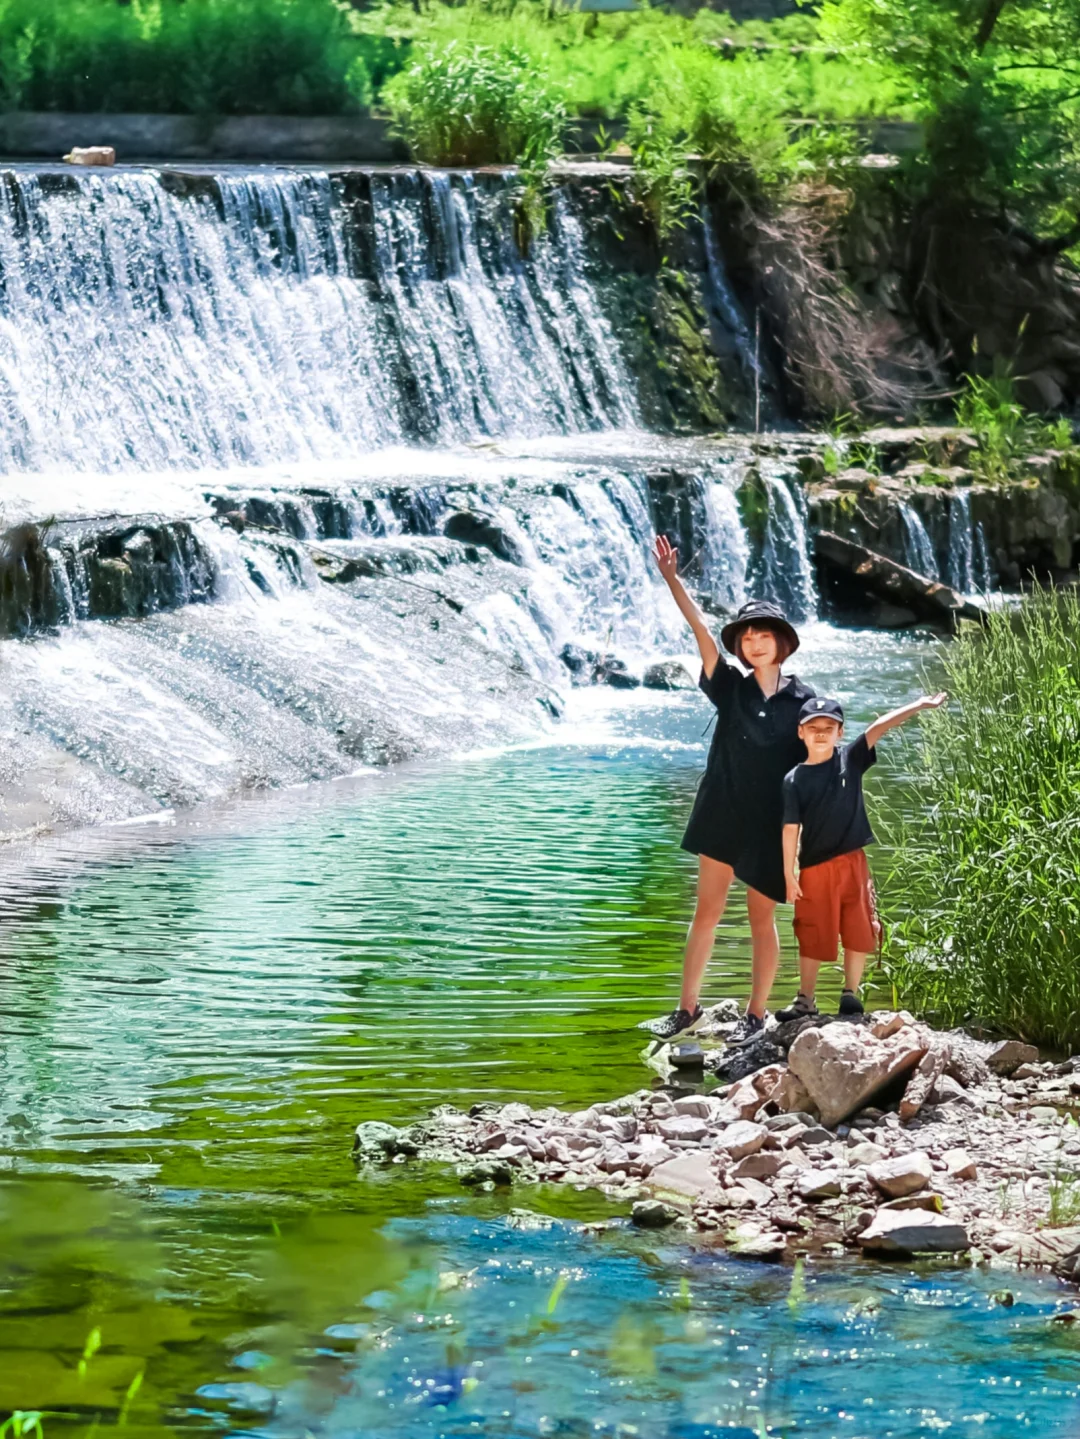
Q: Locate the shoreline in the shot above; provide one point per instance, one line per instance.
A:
(879, 1137)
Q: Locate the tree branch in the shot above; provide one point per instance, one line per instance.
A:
(989, 20)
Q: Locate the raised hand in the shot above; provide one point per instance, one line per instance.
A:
(933, 702)
(666, 557)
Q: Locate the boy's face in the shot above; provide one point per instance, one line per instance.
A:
(821, 736)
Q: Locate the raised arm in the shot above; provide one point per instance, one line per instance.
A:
(667, 562)
(895, 718)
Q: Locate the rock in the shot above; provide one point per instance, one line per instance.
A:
(477, 527)
(685, 1178)
(579, 662)
(894, 583)
(886, 1022)
(913, 1232)
(813, 1136)
(609, 670)
(843, 1065)
(903, 1174)
(791, 1095)
(243, 1398)
(760, 1193)
(921, 1084)
(685, 1127)
(817, 1184)
(752, 1241)
(932, 1203)
(696, 1105)
(1046, 1247)
(91, 155)
(486, 1171)
(949, 1091)
(742, 1138)
(669, 675)
(744, 1097)
(865, 1154)
(761, 1165)
(726, 1012)
(735, 1064)
(374, 1140)
(1028, 1071)
(1005, 1058)
(1068, 1266)
(653, 1214)
(966, 1065)
(778, 1123)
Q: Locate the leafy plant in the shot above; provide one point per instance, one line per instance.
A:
(984, 898)
(1064, 1207)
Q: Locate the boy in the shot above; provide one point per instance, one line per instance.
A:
(826, 828)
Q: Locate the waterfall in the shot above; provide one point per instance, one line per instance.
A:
(968, 568)
(918, 552)
(780, 568)
(154, 322)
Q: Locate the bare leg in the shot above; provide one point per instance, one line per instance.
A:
(714, 881)
(808, 973)
(765, 958)
(854, 964)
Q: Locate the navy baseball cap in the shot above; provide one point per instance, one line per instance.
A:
(822, 709)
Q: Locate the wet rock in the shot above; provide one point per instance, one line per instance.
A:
(892, 1232)
(374, 1140)
(609, 670)
(742, 1138)
(477, 527)
(752, 1241)
(1007, 1057)
(653, 1214)
(668, 675)
(733, 1064)
(486, 1171)
(242, 1398)
(903, 1174)
(843, 1065)
(579, 662)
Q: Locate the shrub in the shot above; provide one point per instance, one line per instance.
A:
(296, 57)
(475, 105)
(986, 887)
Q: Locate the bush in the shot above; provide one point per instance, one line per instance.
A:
(986, 888)
(474, 105)
(293, 57)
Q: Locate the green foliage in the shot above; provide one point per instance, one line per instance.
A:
(478, 105)
(1064, 1207)
(295, 57)
(1004, 429)
(985, 893)
(997, 86)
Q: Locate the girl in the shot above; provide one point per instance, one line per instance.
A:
(736, 824)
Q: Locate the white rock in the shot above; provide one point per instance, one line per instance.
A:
(684, 1126)
(844, 1066)
(959, 1163)
(761, 1165)
(694, 1104)
(91, 155)
(761, 1193)
(791, 1095)
(887, 1022)
(913, 1231)
(904, 1174)
(744, 1097)
(866, 1153)
(819, 1184)
(684, 1178)
(742, 1138)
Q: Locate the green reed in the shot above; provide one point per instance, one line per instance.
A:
(985, 893)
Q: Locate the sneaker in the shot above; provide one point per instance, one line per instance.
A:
(801, 1008)
(672, 1024)
(747, 1029)
(850, 1004)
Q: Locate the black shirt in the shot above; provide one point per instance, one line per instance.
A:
(737, 815)
(827, 800)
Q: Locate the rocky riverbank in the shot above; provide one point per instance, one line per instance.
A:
(879, 1136)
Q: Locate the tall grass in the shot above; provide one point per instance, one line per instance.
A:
(986, 888)
(295, 57)
(478, 105)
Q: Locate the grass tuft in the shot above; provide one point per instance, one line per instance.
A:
(985, 891)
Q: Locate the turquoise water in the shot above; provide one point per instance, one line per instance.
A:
(196, 1015)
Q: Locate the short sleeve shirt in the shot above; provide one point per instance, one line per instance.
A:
(827, 800)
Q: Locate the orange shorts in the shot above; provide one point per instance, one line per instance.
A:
(837, 908)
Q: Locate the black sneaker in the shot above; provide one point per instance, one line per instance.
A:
(747, 1029)
(850, 1004)
(800, 1008)
(672, 1024)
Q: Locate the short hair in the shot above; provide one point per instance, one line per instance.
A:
(784, 647)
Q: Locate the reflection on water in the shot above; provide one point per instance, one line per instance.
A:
(195, 1016)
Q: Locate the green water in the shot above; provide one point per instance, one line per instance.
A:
(195, 1017)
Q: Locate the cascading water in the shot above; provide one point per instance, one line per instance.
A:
(247, 323)
(918, 552)
(968, 567)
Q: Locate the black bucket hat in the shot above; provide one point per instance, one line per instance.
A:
(762, 614)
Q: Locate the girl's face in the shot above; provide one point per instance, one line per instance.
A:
(758, 647)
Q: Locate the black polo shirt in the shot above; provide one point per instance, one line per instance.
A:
(827, 800)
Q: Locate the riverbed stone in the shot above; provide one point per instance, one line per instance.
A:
(754, 1241)
(668, 675)
(959, 1164)
(375, 1140)
(685, 1127)
(653, 1214)
(686, 1177)
(903, 1174)
(815, 1184)
(913, 1232)
(762, 1165)
(1007, 1057)
(924, 1077)
(742, 1138)
(843, 1066)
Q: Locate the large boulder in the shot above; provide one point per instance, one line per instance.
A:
(1010, 1054)
(477, 527)
(913, 1231)
(843, 1065)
